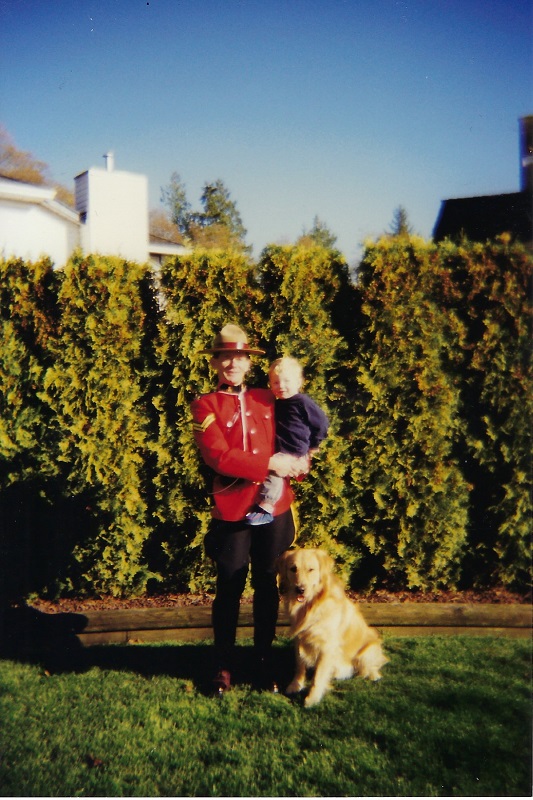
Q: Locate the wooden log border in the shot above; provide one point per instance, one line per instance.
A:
(193, 623)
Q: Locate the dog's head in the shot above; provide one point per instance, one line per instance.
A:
(304, 574)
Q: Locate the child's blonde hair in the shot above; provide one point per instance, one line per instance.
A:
(286, 364)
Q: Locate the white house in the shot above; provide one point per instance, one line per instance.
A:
(111, 218)
(33, 224)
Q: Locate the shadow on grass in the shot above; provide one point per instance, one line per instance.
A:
(50, 640)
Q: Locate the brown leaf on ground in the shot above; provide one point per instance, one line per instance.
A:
(93, 762)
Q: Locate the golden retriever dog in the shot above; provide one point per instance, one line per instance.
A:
(330, 633)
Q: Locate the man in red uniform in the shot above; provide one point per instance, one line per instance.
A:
(234, 430)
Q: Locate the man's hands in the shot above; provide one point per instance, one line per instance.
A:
(287, 466)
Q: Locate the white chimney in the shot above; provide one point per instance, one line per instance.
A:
(109, 161)
(114, 205)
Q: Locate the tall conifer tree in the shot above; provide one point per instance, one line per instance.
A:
(29, 432)
(96, 388)
(493, 287)
(202, 292)
(301, 286)
(411, 498)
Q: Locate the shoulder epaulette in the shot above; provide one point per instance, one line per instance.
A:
(201, 427)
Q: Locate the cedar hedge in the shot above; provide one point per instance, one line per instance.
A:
(422, 361)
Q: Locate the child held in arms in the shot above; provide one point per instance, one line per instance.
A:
(301, 426)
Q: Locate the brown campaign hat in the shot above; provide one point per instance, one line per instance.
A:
(232, 339)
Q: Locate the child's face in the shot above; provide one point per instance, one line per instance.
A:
(285, 384)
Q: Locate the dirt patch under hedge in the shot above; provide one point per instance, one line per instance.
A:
(496, 596)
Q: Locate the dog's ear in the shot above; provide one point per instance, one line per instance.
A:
(279, 562)
(327, 566)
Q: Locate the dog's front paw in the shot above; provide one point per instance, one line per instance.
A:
(372, 674)
(294, 687)
(313, 698)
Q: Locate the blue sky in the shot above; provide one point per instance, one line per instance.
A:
(343, 109)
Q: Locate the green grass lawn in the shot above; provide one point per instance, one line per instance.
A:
(452, 716)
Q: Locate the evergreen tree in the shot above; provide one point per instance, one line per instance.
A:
(300, 288)
(219, 209)
(400, 225)
(97, 390)
(29, 433)
(411, 499)
(40, 521)
(202, 292)
(28, 319)
(319, 235)
(217, 226)
(493, 291)
(174, 196)
(221, 214)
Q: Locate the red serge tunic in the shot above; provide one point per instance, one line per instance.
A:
(236, 436)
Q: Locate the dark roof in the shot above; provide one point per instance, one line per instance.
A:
(482, 218)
